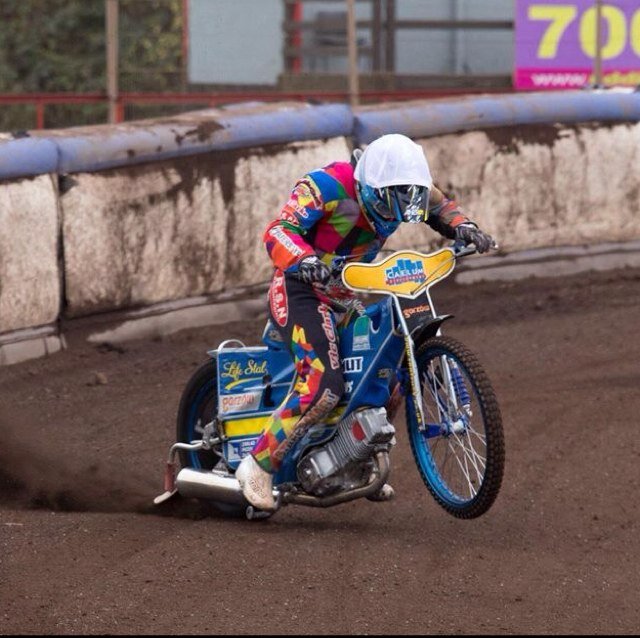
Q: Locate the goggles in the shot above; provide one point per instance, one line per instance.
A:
(402, 203)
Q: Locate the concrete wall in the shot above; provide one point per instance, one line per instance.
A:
(108, 218)
(168, 230)
(192, 226)
(115, 218)
(30, 274)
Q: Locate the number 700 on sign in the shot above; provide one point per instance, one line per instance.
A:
(618, 29)
(560, 37)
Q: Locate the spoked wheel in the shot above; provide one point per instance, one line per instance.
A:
(198, 408)
(460, 451)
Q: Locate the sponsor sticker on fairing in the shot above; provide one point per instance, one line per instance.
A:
(405, 271)
(237, 371)
(361, 340)
(352, 365)
(244, 402)
(239, 448)
(409, 312)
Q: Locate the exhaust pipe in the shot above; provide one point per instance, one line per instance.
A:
(224, 488)
(217, 486)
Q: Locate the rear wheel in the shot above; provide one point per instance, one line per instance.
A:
(197, 411)
(198, 408)
(460, 450)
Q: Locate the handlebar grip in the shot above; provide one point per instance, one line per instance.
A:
(461, 249)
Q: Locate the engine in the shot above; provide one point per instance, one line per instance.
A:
(345, 462)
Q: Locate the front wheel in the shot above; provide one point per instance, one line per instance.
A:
(460, 450)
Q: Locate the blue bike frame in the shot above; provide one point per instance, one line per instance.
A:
(252, 382)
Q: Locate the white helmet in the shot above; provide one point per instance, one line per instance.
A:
(393, 182)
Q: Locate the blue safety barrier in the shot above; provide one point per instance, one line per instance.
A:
(245, 126)
(134, 144)
(440, 117)
(26, 157)
(239, 126)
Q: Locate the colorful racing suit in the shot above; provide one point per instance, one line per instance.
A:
(323, 218)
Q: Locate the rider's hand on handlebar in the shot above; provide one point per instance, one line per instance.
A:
(311, 270)
(471, 234)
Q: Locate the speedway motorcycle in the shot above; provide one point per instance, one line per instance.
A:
(394, 349)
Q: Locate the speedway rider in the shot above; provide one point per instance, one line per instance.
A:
(344, 210)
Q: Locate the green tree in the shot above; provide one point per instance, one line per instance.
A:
(151, 45)
(59, 46)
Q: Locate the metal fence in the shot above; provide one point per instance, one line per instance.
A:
(54, 71)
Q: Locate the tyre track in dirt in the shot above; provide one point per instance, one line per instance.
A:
(81, 551)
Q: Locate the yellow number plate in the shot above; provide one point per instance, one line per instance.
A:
(406, 273)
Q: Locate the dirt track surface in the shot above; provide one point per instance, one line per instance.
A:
(81, 456)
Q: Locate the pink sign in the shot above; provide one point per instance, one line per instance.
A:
(555, 43)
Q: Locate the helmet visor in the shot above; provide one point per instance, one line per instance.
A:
(407, 203)
(382, 204)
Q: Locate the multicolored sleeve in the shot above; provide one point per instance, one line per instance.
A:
(444, 214)
(284, 237)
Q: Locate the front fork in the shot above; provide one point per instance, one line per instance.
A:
(414, 375)
(456, 391)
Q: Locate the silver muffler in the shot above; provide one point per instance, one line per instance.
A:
(192, 483)
(208, 484)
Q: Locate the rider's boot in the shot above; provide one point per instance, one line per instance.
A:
(385, 493)
(256, 484)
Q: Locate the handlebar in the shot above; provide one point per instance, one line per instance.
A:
(462, 250)
(459, 248)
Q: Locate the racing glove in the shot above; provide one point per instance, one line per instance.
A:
(313, 271)
(471, 234)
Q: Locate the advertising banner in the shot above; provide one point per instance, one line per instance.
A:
(555, 43)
